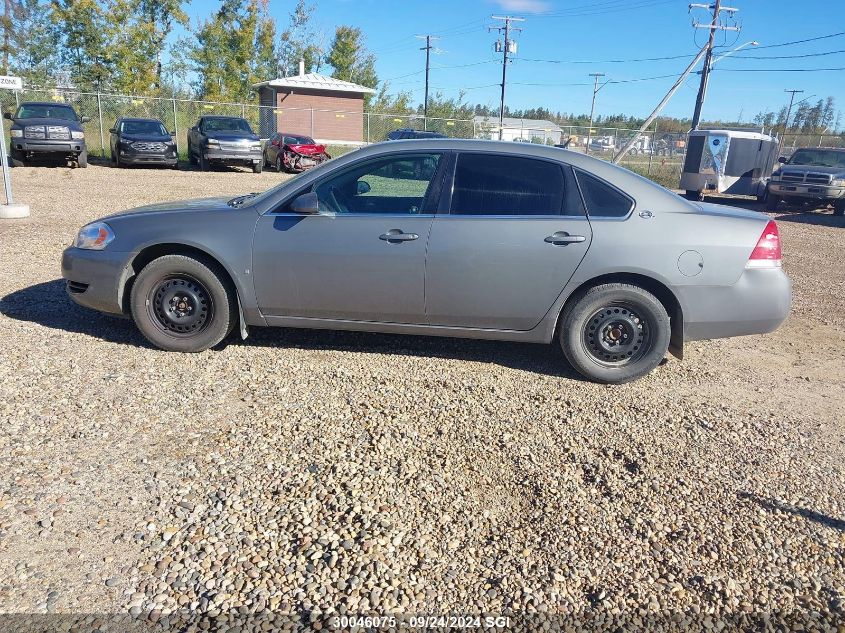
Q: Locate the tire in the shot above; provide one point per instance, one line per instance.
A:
(621, 312)
(17, 159)
(695, 196)
(839, 207)
(258, 167)
(191, 158)
(209, 309)
(763, 197)
(280, 166)
(82, 159)
(772, 202)
(203, 162)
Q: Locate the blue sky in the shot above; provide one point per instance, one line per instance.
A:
(595, 32)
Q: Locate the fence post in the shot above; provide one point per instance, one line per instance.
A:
(17, 98)
(243, 111)
(100, 116)
(175, 126)
(368, 127)
(650, 154)
(312, 122)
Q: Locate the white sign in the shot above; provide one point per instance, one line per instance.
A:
(11, 83)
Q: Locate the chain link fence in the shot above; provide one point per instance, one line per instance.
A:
(656, 155)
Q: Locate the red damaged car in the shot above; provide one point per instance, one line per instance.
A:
(293, 152)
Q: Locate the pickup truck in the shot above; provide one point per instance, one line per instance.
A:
(47, 130)
(226, 140)
(811, 174)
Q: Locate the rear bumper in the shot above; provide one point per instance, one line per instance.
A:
(756, 304)
(94, 278)
(811, 192)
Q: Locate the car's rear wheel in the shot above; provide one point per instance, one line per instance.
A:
(183, 304)
(695, 196)
(614, 333)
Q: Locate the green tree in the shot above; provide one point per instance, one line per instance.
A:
(299, 41)
(82, 26)
(349, 58)
(266, 60)
(223, 52)
(34, 43)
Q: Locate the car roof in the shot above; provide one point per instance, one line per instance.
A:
(138, 119)
(829, 149)
(47, 103)
(294, 134)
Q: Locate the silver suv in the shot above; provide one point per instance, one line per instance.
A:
(812, 174)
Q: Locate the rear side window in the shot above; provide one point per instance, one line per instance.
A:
(488, 184)
(602, 200)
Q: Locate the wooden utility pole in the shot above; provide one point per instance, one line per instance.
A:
(708, 58)
(427, 48)
(596, 89)
(509, 46)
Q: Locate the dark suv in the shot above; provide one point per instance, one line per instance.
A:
(408, 133)
(142, 142)
(227, 140)
(47, 130)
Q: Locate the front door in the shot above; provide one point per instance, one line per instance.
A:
(515, 234)
(362, 257)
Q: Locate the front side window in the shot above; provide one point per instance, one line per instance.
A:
(490, 184)
(601, 199)
(391, 185)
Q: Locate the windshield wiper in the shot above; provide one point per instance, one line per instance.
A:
(236, 202)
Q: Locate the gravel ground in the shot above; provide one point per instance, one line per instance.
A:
(327, 472)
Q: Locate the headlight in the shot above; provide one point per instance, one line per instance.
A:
(16, 133)
(212, 141)
(838, 182)
(77, 135)
(775, 177)
(94, 237)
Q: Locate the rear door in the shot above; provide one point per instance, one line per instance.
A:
(515, 233)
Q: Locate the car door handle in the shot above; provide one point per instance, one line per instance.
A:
(562, 238)
(398, 235)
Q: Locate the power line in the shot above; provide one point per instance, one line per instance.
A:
(777, 70)
(811, 39)
(789, 56)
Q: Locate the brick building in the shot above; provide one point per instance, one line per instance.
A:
(325, 108)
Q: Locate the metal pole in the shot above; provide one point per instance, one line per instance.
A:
(368, 127)
(100, 116)
(7, 180)
(312, 122)
(175, 126)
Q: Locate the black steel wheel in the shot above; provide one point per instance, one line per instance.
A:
(183, 303)
(614, 333)
(180, 305)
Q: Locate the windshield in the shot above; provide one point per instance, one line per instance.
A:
(298, 140)
(45, 111)
(227, 125)
(818, 158)
(153, 128)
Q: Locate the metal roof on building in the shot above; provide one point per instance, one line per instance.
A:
(314, 81)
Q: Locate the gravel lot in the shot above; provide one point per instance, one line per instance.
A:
(346, 472)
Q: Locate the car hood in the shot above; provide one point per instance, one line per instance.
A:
(73, 125)
(150, 138)
(816, 170)
(233, 136)
(179, 206)
(307, 150)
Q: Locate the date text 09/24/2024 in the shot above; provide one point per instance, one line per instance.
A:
(421, 622)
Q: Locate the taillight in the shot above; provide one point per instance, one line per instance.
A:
(767, 252)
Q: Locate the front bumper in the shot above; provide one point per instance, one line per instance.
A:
(149, 158)
(809, 191)
(48, 146)
(95, 278)
(234, 156)
(756, 304)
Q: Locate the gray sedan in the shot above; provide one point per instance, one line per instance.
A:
(441, 237)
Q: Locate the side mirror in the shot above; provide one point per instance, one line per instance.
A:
(782, 160)
(173, 134)
(306, 204)
(362, 187)
(8, 115)
(112, 131)
(85, 119)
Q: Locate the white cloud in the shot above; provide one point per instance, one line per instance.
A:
(524, 6)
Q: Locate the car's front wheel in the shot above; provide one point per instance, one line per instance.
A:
(614, 333)
(183, 304)
(258, 167)
(772, 202)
